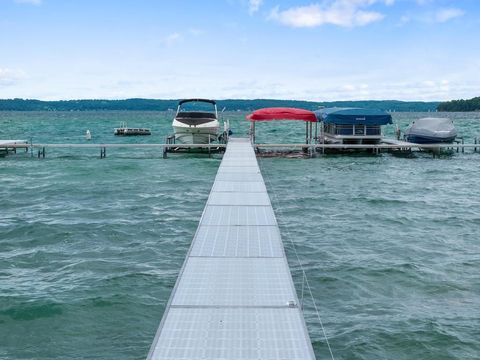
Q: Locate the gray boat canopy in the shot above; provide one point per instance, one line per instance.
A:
(353, 116)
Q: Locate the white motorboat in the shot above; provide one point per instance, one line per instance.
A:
(195, 123)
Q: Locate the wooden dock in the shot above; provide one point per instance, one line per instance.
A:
(234, 297)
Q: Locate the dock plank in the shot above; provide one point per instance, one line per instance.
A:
(234, 297)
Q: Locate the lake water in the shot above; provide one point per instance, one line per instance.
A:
(90, 249)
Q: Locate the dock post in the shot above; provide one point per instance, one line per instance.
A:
(475, 148)
(41, 153)
(463, 147)
(209, 149)
(103, 152)
(306, 132)
(167, 141)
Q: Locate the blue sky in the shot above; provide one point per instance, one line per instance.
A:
(294, 49)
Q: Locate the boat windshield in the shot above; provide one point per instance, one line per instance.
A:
(197, 105)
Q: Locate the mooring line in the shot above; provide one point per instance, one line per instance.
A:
(299, 263)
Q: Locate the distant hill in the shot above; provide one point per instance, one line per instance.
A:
(460, 105)
(230, 105)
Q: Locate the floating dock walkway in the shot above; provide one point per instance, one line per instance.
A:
(234, 297)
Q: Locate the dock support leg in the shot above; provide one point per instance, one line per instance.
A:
(209, 148)
(103, 152)
(41, 153)
(463, 143)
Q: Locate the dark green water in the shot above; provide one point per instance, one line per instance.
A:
(90, 248)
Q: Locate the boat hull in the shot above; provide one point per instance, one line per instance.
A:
(418, 139)
(195, 135)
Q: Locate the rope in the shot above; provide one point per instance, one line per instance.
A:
(301, 267)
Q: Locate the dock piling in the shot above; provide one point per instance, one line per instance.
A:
(41, 153)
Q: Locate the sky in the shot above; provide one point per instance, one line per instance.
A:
(319, 50)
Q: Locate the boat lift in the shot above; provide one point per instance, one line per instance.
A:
(283, 113)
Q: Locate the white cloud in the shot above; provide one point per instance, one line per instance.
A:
(358, 91)
(31, 2)
(254, 6)
(404, 20)
(10, 76)
(440, 15)
(443, 15)
(172, 39)
(346, 13)
(196, 32)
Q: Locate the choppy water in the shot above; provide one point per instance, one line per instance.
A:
(90, 248)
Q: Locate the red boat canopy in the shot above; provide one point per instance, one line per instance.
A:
(282, 113)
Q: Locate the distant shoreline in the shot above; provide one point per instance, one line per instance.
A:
(228, 105)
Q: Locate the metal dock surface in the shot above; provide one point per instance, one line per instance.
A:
(234, 297)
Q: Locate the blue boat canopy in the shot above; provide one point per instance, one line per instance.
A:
(352, 116)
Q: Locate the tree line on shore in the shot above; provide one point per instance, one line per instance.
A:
(228, 105)
(460, 105)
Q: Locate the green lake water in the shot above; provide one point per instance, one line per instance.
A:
(90, 248)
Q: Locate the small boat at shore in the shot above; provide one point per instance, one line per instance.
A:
(431, 131)
(123, 130)
(196, 122)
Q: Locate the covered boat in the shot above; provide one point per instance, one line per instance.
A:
(352, 125)
(431, 130)
(196, 121)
